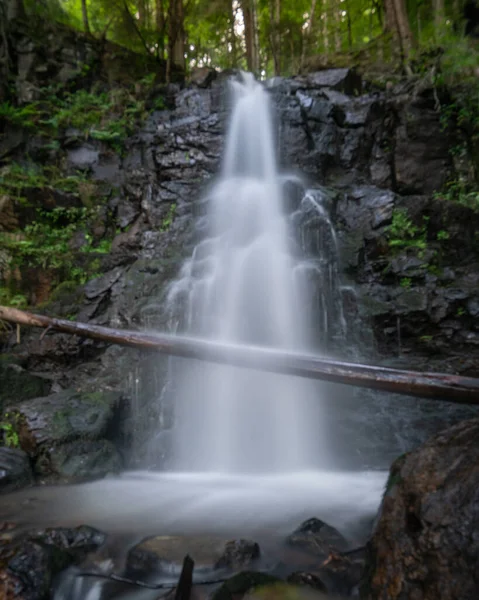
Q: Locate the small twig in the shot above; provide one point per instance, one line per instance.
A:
(44, 333)
(18, 333)
(144, 584)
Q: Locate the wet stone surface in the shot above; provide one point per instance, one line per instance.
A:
(165, 554)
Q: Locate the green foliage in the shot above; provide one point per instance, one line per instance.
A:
(426, 338)
(442, 235)
(9, 297)
(168, 220)
(406, 282)
(23, 116)
(462, 193)
(17, 179)
(107, 116)
(10, 434)
(403, 233)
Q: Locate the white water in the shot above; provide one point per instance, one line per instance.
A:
(251, 450)
(243, 285)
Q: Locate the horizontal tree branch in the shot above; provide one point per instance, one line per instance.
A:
(436, 386)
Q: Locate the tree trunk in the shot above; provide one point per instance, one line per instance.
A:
(325, 26)
(254, 10)
(248, 8)
(396, 22)
(275, 19)
(84, 13)
(439, 14)
(437, 386)
(308, 32)
(233, 41)
(14, 9)
(176, 36)
(160, 26)
(142, 13)
(348, 19)
(336, 8)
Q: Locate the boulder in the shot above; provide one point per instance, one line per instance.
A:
(425, 542)
(347, 81)
(282, 591)
(166, 553)
(242, 583)
(15, 470)
(29, 565)
(63, 433)
(318, 538)
(19, 384)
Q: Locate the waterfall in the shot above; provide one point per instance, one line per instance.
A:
(266, 274)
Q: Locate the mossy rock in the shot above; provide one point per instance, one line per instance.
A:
(65, 417)
(283, 591)
(18, 384)
(242, 583)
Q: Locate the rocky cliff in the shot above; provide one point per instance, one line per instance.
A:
(409, 258)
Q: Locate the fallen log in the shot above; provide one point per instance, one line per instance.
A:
(437, 386)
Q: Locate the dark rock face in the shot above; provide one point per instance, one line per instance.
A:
(243, 583)
(65, 433)
(376, 153)
(18, 384)
(15, 470)
(317, 537)
(339, 568)
(29, 565)
(426, 541)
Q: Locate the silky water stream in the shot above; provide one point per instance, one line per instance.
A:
(252, 453)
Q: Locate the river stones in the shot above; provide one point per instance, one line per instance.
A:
(166, 553)
(29, 564)
(318, 538)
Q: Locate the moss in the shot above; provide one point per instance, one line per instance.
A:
(97, 397)
(65, 289)
(18, 384)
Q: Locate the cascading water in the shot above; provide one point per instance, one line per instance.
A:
(252, 282)
(249, 449)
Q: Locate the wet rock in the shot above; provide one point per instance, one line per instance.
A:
(238, 554)
(421, 154)
(80, 460)
(18, 384)
(27, 570)
(342, 80)
(282, 591)
(98, 286)
(341, 573)
(309, 580)
(15, 470)
(316, 537)
(62, 433)
(241, 584)
(29, 565)
(83, 157)
(79, 541)
(425, 542)
(166, 553)
(203, 76)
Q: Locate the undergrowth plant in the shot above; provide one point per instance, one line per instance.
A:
(109, 116)
(9, 427)
(403, 233)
